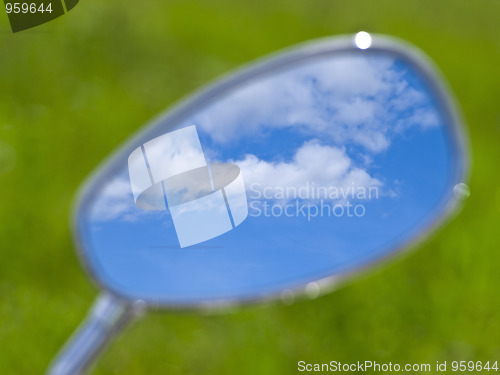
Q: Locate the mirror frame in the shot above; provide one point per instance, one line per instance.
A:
(262, 67)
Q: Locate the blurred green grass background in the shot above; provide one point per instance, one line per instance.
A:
(75, 88)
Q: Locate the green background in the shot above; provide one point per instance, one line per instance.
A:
(73, 89)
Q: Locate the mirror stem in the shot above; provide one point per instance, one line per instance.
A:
(106, 318)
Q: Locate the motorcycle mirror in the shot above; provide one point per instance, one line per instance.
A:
(278, 181)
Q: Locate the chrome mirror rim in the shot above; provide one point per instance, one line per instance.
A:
(313, 49)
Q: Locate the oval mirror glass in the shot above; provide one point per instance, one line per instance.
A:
(298, 170)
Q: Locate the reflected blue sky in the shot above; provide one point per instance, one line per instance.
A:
(348, 122)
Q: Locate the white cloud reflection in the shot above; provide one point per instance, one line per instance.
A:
(314, 165)
(364, 101)
(116, 200)
(350, 100)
